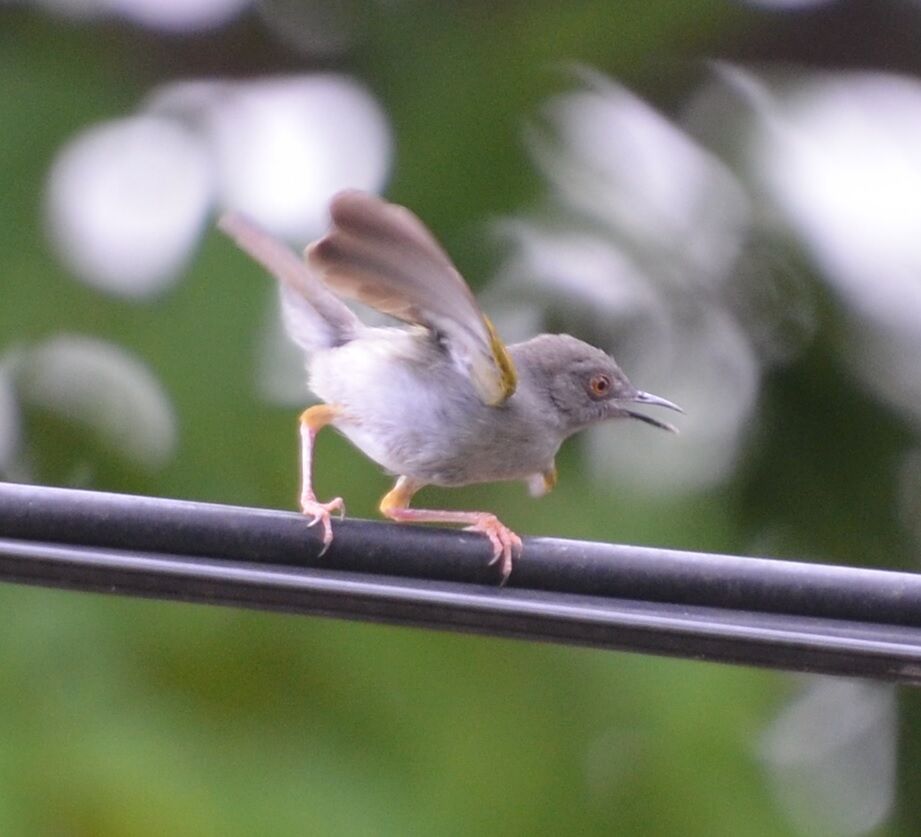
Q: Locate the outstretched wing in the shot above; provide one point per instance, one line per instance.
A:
(382, 255)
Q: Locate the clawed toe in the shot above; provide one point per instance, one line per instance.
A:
(320, 513)
(507, 546)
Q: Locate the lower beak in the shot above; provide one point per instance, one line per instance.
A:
(641, 397)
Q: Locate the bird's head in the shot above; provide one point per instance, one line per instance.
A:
(583, 384)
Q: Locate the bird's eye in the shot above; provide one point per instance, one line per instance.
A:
(600, 385)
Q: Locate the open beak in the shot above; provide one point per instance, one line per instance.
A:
(640, 397)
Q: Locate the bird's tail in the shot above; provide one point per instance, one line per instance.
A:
(314, 316)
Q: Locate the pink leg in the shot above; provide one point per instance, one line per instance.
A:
(505, 543)
(312, 421)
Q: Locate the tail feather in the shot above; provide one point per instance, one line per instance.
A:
(314, 316)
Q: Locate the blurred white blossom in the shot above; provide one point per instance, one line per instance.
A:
(831, 756)
(613, 159)
(99, 385)
(315, 27)
(127, 202)
(842, 158)
(285, 146)
(169, 15)
(178, 15)
(836, 159)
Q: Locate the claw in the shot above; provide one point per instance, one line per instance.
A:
(506, 545)
(320, 513)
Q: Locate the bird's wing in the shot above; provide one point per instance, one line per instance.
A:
(382, 255)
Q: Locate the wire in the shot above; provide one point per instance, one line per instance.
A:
(781, 614)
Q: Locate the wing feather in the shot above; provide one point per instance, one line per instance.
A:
(382, 255)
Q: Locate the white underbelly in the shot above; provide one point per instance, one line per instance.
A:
(389, 409)
(407, 407)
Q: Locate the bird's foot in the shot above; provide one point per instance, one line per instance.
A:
(320, 513)
(506, 545)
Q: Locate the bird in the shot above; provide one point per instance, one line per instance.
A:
(437, 398)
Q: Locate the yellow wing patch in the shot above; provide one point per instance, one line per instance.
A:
(508, 377)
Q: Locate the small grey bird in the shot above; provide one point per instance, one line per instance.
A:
(442, 401)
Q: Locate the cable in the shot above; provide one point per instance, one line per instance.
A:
(781, 614)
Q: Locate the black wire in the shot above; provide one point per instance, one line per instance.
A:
(781, 614)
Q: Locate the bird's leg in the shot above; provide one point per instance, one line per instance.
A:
(312, 421)
(506, 544)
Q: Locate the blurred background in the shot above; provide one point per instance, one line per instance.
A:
(726, 195)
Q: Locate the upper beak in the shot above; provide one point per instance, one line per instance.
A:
(648, 398)
(641, 397)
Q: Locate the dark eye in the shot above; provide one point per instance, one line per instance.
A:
(600, 385)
